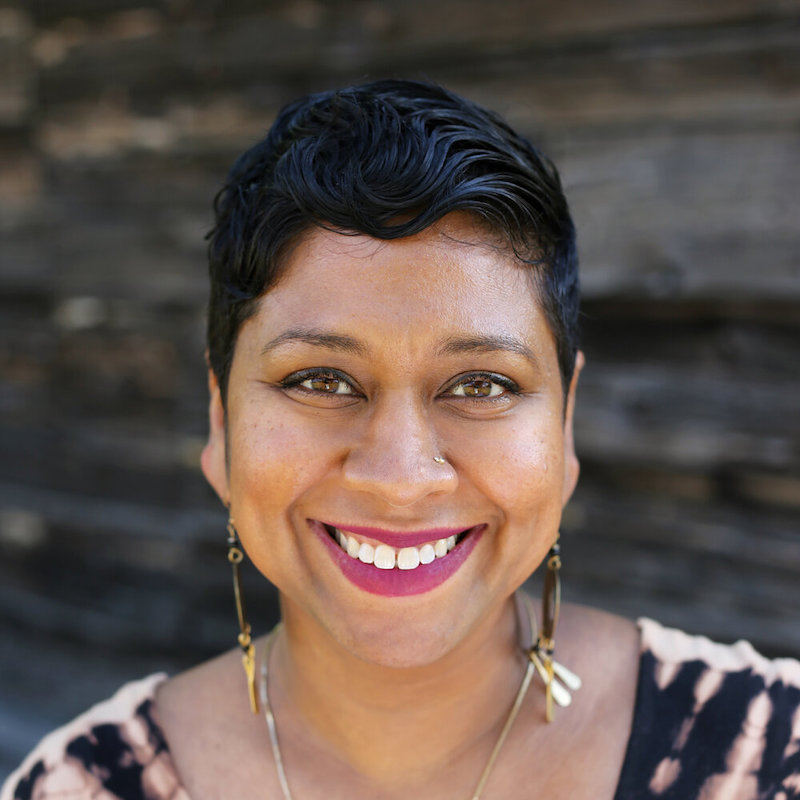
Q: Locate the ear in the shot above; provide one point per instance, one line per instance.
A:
(572, 466)
(214, 457)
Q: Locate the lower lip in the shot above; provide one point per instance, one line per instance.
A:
(400, 582)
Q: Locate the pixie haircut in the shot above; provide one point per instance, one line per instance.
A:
(387, 159)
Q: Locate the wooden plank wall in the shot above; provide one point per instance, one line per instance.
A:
(677, 127)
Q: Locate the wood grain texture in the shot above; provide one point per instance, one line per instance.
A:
(675, 125)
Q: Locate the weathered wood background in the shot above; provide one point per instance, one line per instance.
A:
(677, 128)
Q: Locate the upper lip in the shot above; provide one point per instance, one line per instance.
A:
(400, 538)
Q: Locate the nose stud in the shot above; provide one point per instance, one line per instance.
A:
(440, 459)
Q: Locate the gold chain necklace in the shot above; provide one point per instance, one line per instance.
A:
(512, 715)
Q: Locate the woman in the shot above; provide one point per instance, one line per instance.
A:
(393, 364)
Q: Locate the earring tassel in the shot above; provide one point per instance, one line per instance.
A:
(249, 664)
(558, 680)
(235, 556)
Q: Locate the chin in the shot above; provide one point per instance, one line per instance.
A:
(408, 651)
(407, 638)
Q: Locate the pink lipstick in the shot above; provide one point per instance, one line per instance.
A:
(400, 582)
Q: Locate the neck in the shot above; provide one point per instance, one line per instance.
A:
(376, 720)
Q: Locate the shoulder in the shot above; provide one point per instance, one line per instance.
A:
(712, 720)
(114, 750)
(603, 646)
(195, 730)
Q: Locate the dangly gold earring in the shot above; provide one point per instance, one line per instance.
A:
(557, 678)
(235, 556)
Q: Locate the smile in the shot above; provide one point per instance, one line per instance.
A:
(397, 564)
(384, 556)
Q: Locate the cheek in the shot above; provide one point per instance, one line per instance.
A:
(520, 467)
(272, 464)
(526, 486)
(270, 458)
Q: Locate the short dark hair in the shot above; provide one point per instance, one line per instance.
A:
(387, 159)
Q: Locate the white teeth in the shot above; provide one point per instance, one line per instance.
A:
(366, 553)
(408, 558)
(385, 557)
(426, 554)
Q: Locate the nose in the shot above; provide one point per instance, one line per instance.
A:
(397, 457)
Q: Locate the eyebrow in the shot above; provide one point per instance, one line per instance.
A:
(488, 344)
(452, 346)
(331, 341)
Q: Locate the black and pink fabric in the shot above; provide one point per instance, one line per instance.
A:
(711, 722)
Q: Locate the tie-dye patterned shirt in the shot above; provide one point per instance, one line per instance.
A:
(711, 722)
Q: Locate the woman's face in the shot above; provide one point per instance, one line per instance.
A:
(366, 361)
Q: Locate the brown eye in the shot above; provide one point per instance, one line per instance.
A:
(327, 384)
(324, 384)
(482, 388)
(478, 387)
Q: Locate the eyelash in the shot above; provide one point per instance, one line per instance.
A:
(296, 379)
(507, 384)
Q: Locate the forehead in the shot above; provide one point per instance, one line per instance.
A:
(456, 250)
(453, 278)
